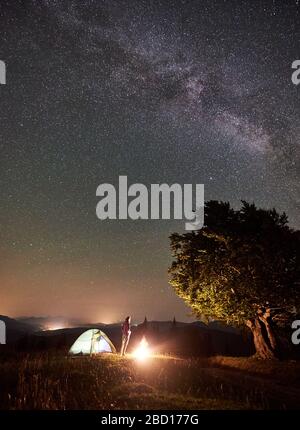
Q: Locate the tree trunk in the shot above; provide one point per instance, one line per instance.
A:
(266, 319)
(263, 337)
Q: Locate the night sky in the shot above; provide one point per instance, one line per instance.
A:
(160, 91)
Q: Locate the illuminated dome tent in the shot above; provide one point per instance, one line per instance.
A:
(92, 341)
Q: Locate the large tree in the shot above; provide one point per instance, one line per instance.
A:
(242, 268)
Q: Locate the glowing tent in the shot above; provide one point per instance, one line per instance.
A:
(92, 341)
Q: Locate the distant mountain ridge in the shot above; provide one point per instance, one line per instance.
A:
(20, 327)
(15, 324)
(15, 329)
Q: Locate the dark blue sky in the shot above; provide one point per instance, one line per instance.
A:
(160, 91)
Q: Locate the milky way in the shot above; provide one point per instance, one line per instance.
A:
(185, 91)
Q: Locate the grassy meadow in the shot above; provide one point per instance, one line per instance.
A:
(54, 381)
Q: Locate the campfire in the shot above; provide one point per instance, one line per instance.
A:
(142, 352)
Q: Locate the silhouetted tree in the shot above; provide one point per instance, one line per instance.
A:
(174, 325)
(242, 268)
(145, 326)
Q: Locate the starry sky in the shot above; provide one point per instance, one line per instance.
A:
(161, 91)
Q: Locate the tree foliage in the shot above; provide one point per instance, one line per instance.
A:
(241, 266)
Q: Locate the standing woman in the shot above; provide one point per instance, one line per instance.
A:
(126, 332)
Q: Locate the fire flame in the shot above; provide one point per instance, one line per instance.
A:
(142, 352)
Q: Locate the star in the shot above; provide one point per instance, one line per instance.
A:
(162, 93)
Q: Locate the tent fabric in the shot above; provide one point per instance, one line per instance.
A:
(92, 341)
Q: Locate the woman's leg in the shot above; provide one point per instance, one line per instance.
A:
(123, 345)
(126, 343)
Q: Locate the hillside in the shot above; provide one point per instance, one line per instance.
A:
(43, 381)
(15, 329)
(165, 337)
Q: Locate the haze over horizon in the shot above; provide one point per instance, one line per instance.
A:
(162, 92)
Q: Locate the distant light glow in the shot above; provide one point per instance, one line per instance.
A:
(54, 327)
(142, 352)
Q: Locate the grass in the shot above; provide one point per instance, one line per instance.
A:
(53, 381)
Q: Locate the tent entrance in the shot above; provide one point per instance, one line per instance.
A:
(92, 341)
